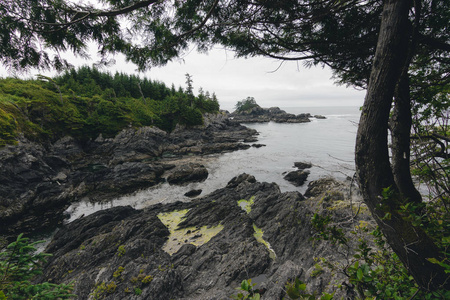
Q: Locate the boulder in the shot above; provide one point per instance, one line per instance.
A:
(191, 172)
(297, 177)
(303, 165)
(193, 193)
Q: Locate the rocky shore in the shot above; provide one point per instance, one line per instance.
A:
(199, 249)
(202, 249)
(39, 181)
(275, 114)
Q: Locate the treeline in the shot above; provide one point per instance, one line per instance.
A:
(85, 102)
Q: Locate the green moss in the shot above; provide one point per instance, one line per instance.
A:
(246, 205)
(259, 237)
(119, 271)
(103, 289)
(121, 250)
(8, 128)
(180, 236)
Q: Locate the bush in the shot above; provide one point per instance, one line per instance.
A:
(19, 264)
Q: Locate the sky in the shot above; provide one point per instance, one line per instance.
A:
(232, 79)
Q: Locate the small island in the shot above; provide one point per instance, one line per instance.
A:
(248, 111)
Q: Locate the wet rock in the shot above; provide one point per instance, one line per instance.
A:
(193, 193)
(191, 172)
(258, 145)
(123, 247)
(297, 177)
(302, 165)
(319, 117)
(38, 182)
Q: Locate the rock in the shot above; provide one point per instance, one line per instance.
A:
(124, 248)
(258, 145)
(38, 182)
(191, 172)
(297, 177)
(319, 117)
(193, 193)
(322, 185)
(302, 165)
(275, 114)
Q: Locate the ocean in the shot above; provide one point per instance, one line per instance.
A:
(326, 143)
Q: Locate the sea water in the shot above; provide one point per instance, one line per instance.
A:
(328, 144)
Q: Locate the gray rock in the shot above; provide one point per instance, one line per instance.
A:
(275, 114)
(297, 177)
(191, 172)
(123, 248)
(302, 165)
(193, 193)
(38, 182)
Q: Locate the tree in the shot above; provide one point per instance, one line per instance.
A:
(398, 50)
(374, 169)
(19, 264)
(246, 104)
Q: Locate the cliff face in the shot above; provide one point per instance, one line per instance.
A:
(38, 182)
(201, 249)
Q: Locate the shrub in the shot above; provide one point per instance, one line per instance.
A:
(19, 264)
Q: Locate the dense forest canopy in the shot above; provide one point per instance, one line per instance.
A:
(396, 49)
(86, 102)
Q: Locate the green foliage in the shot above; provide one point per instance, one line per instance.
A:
(19, 264)
(84, 103)
(374, 271)
(297, 290)
(326, 232)
(248, 293)
(246, 104)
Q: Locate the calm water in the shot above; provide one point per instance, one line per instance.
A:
(328, 144)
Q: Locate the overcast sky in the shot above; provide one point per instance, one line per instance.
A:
(291, 85)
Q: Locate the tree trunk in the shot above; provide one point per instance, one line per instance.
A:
(374, 172)
(401, 122)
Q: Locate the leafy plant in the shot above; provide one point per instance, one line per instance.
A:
(297, 290)
(19, 264)
(248, 293)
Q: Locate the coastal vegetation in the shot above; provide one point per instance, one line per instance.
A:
(246, 104)
(398, 50)
(85, 103)
(19, 265)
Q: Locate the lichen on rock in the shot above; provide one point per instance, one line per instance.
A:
(181, 236)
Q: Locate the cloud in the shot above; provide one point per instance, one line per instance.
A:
(269, 81)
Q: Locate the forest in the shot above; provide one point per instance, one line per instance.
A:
(85, 102)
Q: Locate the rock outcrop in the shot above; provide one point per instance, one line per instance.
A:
(38, 182)
(191, 172)
(299, 176)
(274, 114)
(197, 250)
